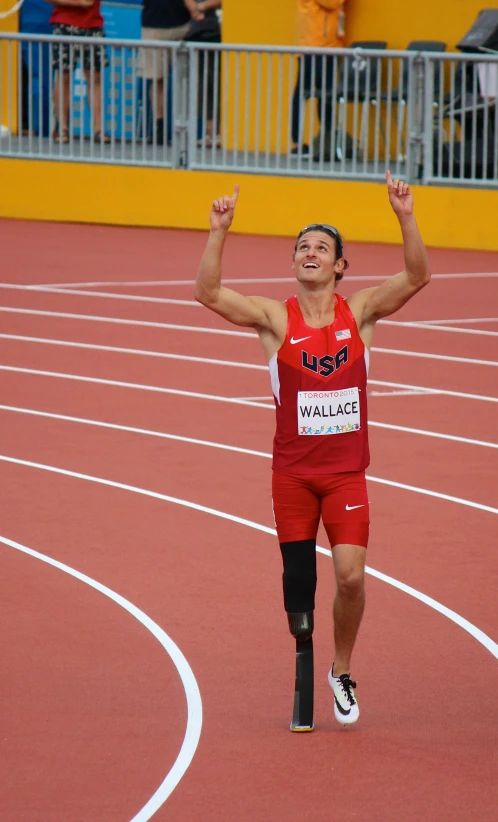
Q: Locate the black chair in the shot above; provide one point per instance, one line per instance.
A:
(399, 95)
(359, 82)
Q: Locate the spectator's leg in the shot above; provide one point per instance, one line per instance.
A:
(296, 106)
(156, 97)
(302, 92)
(329, 87)
(210, 68)
(61, 103)
(324, 87)
(94, 60)
(95, 99)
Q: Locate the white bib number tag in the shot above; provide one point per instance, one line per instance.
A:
(328, 412)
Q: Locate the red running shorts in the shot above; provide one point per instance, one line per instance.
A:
(341, 500)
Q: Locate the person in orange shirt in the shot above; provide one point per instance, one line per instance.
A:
(320, 24)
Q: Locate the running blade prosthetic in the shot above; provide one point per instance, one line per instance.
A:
(302, 717)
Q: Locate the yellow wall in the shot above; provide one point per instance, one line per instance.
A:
(38, 190)
(397, 21)
(9, 23)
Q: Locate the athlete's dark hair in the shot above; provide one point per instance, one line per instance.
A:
(332, 232)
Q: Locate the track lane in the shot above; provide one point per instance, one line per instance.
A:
(387, 740)
(169, 467)
(80, 737)
(263, 712)
(153, 251)
(390, 367)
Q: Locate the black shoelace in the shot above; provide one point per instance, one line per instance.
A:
(347, 686)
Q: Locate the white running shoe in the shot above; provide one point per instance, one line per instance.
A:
(346, 709)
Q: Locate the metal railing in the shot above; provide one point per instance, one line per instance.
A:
(339, 113)
(91, 100)
(461, 120)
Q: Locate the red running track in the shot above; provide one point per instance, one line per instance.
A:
(94, 708)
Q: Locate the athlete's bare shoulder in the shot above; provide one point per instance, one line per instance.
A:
(275, 310)
(357, 302)
(273, 333)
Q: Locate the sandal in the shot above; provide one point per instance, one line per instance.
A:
(62, 137)
(98, 137)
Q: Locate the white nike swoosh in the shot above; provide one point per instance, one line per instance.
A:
(301, 339)
(352, 507)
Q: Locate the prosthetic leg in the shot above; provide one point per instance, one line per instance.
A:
(299, 584)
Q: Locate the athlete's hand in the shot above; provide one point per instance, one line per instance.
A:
(222, 211)
(400, 196)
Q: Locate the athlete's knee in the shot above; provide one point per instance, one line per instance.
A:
(299, 576)
(351, 582)
(301, 625)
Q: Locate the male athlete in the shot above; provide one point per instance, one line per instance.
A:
(317, 345)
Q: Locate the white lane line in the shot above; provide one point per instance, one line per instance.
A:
(235, 401)
(121, 384)
(193, 303)
(121, 321)
(268, 399)
(137, 351)
(388, 426)
(479, 635)
(103, 294)
(229, 363)
(194, 703)
(179, 438)
(401, 393)
(420, 388)
(240, 280)
(425, 356)
(461, 321)
(430, 327)
(132, 430)
(437, 435)
(226, 332)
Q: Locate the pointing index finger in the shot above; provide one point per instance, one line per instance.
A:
(389, 179)
(235, 193)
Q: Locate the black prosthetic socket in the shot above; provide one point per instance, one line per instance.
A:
(301, 625)
(299, 576)
(299, 583)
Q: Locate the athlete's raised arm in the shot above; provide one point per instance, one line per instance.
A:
(255, 312)
(397, 290)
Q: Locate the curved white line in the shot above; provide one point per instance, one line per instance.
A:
(236, 401)
(238, 450)
(479, 635)
(414, 488)
(432, 326)
(461, 321)
(111, 296)
(194, 304)
(142, 352)
(224, 331)
(248, 280)
(422, 355)
(95, 318)
(194, 703)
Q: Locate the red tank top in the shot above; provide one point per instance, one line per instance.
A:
(85, 17)
(319, 381)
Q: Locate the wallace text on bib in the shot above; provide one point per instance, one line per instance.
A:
(328, 412)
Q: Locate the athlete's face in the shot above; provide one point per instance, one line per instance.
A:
(315, 259)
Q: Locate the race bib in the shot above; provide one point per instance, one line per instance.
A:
(328, 412)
